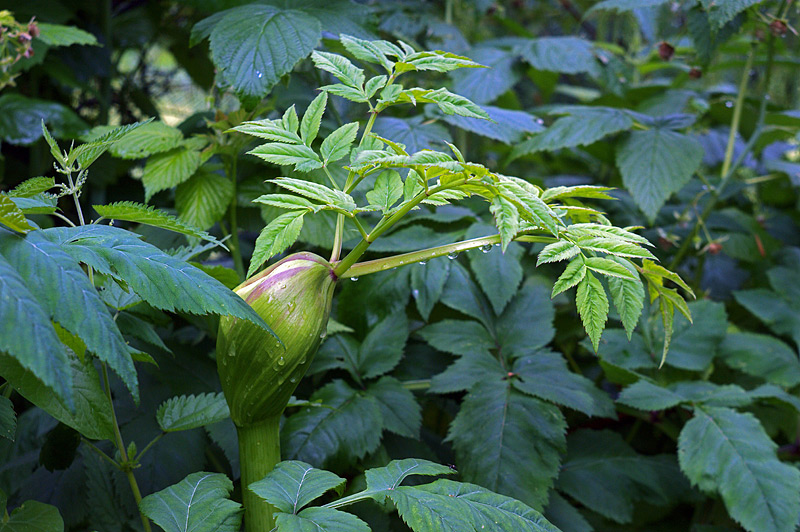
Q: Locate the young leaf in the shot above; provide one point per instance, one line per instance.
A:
(150, 138)
(301, 156)
(59, 35)
(312, 118)
(368, 51)
(32, 187)
(609, 268)
(388, 189)
(448, 102)
(592, 306)
(320, 519)
(628, 296)
(191, 411)
(86, 154)
(274, 130)
(130, 211)
(12, 217)
(198, 503)
(340, 67)
(340, 89)
(337, 144)
(317, 192)
(506, 218)
(169, 169)
(286, 201)
(573, 274)
(275, 238)
(580, 191)
(203, 200)
(569, 55)
(729, 452)
(614, 246)
(557, 251)
(293, 484)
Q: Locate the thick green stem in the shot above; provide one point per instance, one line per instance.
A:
(259, 452)
(387, 263)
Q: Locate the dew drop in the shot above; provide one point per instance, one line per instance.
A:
(259, 74)
(423, 262)
(293, 380)
(728, 104)
(354, 279)
(281, 361)
(539, 121)
(497, 245)
(323, 334)
(486, 249)
(452, 255)
(415, 293)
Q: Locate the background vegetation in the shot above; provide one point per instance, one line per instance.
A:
(688, 108)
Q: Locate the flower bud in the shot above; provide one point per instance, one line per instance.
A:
(259, 374)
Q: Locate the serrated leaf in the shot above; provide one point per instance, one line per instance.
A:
(317, 192)
(400, 410)
(544, 374)
(33, 516)
(427, 285)
(346, 429)
(437, 60)
(191, 411)
(728, 452)
(199, 503)
(86, 154)
(368, 51)
(557, 251)
(484, 85)
(387, 190)
(340, 67)
(383, 346)
(203, 200)
(515, 429)
(572, 275)
(628, 296)
(169, 169)
(12, 217)
(762, 356)
(21, 119)
(413, 133)
(340, 89)
(614, 246)
(720, 13)
(626, 5)
(286, 201)
(64, 292)
(609, 268)
(532, 306)
(274, 130)
(151, 138)
(499, 274)
(447, 102)
(275, 238)
(312, 118)
(320, 520)
(130, 211)
(303, 158)
(8, 419)
(505, 125)
(165, 282)
(293, 484)
(337, 144)
(592, 306)
(392, 476)
(651, 268)
(32, 187)
(461, 294)
(506, 218)
(254, 45)
(580, 191)
(568, 55)
(59, 35)
(645, 395)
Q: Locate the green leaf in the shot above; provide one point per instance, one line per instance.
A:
(149, 139)
(346, 429)
(447, 102)
(573, 274)
(499, 428)
(499, 274)
(461, 294)
(582, 126)
(579, 191)
(568, 55)
(592, 306)
(628, 296)
(650, 169)
(58, 35)
(610, 268)
(762, 356)
(726, 451)
(21, 119)
(473, 367)
(626, 5)
(340, 67)
(387, 190)
(8, 419)
(293, 484)
(368, 51)
(774, 309)
(320, 520)
(458, 337)
(565, 516)
(203, 200)
(312, 118)
(254, 45)
(63, 290)
(337, 144)
(191, 411)
(33, 516)
(427, 285)
(198, 503)
(383, 346)
(32, 187)
(399, 408)
(169, 169)
(275, 238)
(505, 125)
(303, 158)
(614, 246)
(605, 474)
(98, 144)
(645, 395)
(484, 85)
(437, 61)
(557, 251)
(720, 13)
(414, 133)
(694, 346)
(544, 374)
(162, 280)
(506, 218)
(339, 89)
(12, 217)
(88, 411)
(317, 192)
(531, 306)
(390, 477)
(269, 129)
(130, 211)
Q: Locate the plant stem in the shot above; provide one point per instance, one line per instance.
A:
(732, 167)
(387, 263)
(137, 495)
(259, 452)
(236, 249)
(737, 115)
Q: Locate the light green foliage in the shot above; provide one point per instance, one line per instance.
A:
(204, 199)
(151, 138)
(191, 411)
(12, 217)
(59, 35)
(33, 516)
(169, 169)
(130, 211)
(199, 503)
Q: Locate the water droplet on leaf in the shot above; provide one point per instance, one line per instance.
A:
(354, 279)
(423, 262)
(487, 248)
(452, 255)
